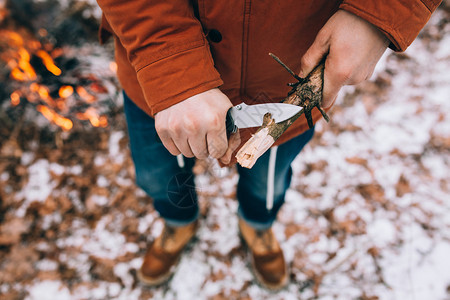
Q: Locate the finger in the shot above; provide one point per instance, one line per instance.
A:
(170, 145)
(316, 52)
(183, 146)
(217, 143)
(331, 87)
(225, 159)
(233, 143)
(337, 74)
(198, 146)
(165, 136)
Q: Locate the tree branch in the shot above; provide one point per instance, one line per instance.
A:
(306, 93)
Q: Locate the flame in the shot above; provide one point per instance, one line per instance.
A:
(34, 87)
(52, 116)
(65, 91)
(24, 64)
(81, 91)
(91, 114)
(43, 92)
(48, 62)
(15, 98)
(22, 70)
(14, 37)
(31, 96)
(103, 121)
(18, 59)
(34, 45)
(18, 75)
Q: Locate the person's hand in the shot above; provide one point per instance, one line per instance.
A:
(352, 47)
(196, 127)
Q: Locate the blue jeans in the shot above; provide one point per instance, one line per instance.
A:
(172, 187)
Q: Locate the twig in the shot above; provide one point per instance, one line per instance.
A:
(306, 93)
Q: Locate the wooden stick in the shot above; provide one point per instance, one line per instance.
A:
(306, 93)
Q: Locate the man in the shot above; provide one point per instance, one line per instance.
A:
(183, 64)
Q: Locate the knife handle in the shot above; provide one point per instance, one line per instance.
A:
(230, 126)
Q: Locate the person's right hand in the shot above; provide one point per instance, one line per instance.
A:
(196, 127)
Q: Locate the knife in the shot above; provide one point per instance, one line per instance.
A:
(245, 116)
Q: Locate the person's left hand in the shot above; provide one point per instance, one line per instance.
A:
(352, 47)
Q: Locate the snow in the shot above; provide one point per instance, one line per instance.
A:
(102, 181)
(4, 176)
(114, 148)
(47, 265)
(38, 188)
(48, 290)
(347, 218)
(418, 275)
(26, 158)
(225, 238)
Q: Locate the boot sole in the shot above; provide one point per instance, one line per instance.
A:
(164, 278)
(152, 282)
(258, 277)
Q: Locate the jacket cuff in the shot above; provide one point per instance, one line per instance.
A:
(400, 20)
(172, 79)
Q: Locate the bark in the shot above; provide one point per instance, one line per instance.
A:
(306, 93)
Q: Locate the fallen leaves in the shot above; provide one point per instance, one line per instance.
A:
(12, 230)
(403, 187)
(18, 264)
(372, 192)
(357, 161)
(95, 219)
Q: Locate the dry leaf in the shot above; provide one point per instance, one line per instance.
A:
(10, 231)
(403, 187)
(357, 161)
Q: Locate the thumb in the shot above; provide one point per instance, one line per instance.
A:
(233, 143)
(316, 52)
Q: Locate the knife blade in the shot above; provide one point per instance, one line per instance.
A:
(245, 116)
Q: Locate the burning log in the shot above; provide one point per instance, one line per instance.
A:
(307, 93)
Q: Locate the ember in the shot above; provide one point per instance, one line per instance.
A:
(15, 99)
(52, 116)
(81, 91)
(22, 70)
(48, 62)
(65, 91)
(93, 117)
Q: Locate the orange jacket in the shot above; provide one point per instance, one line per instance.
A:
(167, 51)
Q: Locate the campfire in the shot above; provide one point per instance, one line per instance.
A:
(52, 76)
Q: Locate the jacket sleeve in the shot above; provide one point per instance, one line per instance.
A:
(166, 46)
(400, 20)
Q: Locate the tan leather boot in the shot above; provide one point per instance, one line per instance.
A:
(164, 253)
(269, 266)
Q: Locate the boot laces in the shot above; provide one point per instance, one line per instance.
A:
(265, 237)
(168, 233)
